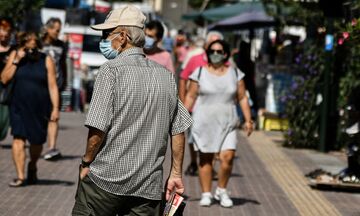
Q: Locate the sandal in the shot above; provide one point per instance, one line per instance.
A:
(17, 183)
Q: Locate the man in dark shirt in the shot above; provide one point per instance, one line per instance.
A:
(55, 48)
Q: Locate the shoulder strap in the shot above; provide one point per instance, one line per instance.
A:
(236, 72)
(200, 69)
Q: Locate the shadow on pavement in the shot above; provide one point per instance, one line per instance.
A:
(243, 201)
(236, 201)
(65, 157)
(236, 175)
(62, 127)
(339, 188)
(54, 182)
(6, 146)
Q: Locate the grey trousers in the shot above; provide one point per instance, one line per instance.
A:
(90, 200)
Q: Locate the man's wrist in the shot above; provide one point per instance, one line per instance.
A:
(175, 175)
(85, 163)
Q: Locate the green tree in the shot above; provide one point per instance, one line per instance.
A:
(17, 10)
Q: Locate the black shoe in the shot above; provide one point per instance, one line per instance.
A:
(31, 176)
(192, 170)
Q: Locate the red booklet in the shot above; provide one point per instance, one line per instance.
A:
(173, 204)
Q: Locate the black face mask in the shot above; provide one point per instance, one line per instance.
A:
(32, 54)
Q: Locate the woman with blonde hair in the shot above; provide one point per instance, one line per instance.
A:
(33, 103)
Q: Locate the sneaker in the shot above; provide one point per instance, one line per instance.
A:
(52, 154)
(192, 170)
(206, 199)
(222, 196)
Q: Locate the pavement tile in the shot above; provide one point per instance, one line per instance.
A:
(308, 160)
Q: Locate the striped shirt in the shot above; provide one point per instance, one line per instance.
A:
(135, 103)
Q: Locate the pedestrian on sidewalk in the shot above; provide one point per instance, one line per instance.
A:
(6, 28)
(154, 32)
(168, 42)
(33, 104)
(193, 63)
(215, 87)
(134, 109)
(57, 50)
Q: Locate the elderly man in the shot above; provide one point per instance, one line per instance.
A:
(134, 109)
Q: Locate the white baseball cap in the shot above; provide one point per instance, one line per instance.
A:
(125, 16)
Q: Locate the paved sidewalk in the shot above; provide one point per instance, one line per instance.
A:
(255, 188)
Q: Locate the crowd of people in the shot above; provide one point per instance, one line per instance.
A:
(153, 88)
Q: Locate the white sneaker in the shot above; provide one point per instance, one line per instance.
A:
(206, 199)
(222, 196)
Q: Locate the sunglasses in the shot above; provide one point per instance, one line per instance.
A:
(107, 33)
(212, 51)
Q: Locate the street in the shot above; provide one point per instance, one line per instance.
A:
(267, 179)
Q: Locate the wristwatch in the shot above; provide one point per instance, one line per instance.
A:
(84, 163)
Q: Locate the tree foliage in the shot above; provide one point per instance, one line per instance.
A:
(17, 9)
(302, 109)
(302, 101)
(349, 41)
(295, 12)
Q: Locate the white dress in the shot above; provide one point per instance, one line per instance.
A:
(214, 114)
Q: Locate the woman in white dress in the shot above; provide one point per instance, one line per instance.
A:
(216, 88)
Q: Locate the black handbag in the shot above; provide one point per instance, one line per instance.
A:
(6, 92)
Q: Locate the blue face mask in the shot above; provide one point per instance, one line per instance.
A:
(149, 42)
(107, 50)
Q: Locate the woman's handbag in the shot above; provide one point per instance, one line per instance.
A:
(6, 92)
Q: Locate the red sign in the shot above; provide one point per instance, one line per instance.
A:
(75, 48)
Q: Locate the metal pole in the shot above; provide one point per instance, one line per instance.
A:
(324, 115)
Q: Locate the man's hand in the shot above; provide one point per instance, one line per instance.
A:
(174, 183)
(84, 171)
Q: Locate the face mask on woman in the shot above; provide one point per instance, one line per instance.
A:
(216, 58)
(32, 54)
(107, 50)
(149, 42)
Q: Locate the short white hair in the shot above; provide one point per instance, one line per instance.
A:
(199, 42)
(136, 34)
(213, 34)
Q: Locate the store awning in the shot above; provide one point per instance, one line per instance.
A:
(216, 14)
(246, 20)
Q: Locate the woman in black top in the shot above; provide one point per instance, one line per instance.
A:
(34, 102)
